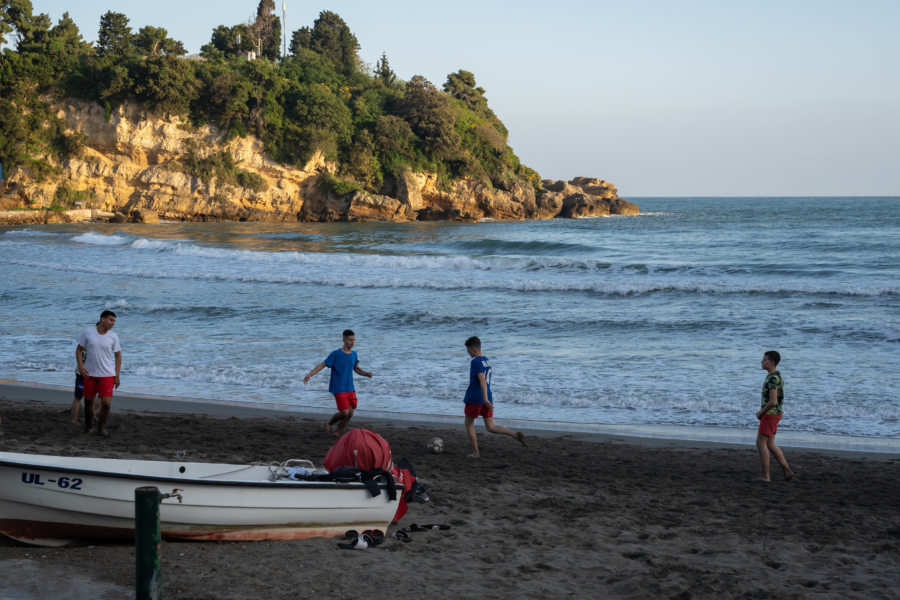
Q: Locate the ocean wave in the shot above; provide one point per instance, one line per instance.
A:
(101, 239)
(363, 278)
(491, 246)
(29, 233)
(208, 374)
(121, 303)
(154, 244)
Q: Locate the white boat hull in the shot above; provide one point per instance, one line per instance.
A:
(53, 500)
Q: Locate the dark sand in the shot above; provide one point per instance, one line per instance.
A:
(565, 518)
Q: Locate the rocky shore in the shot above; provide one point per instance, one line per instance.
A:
(132, 166)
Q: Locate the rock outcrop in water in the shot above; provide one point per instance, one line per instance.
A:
(133, 164)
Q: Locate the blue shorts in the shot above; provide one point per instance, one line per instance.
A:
(79, 387)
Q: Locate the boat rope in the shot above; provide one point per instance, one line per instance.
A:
(239, 469)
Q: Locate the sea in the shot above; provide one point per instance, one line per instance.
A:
(652, 321)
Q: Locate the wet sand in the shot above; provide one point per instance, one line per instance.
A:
(570, 517)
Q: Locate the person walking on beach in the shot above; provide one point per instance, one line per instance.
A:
(99, 359)
(343, 362)
(769, 416)
(479, 399)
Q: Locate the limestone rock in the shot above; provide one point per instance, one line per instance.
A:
(132, 165)
(143, 215)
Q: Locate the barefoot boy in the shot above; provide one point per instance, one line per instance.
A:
(343, 363)
(99, 360)
(769, 416)
(479, 399)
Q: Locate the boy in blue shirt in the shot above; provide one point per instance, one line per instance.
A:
(343, 363)
(479, 398)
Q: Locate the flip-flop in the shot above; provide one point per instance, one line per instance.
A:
(521, 437)
(401, 536)
(375, 535)
(360, 543)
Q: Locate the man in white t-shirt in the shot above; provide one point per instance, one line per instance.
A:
(99, 365)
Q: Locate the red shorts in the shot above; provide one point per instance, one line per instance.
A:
(768, 424)
(345, 400)
(479, 410)
(99, 386)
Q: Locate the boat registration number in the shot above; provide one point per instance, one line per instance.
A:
(71, 483)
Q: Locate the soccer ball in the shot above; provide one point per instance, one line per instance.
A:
(436, 445)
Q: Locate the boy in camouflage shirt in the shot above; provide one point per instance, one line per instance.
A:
(769, 416)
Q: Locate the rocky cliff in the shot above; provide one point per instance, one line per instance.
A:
(133, 164)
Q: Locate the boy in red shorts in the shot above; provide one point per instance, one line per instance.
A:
(769, 416)
(479, 398)
(343, 363)
(99, 360)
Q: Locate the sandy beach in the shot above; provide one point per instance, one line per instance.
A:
(566, 518)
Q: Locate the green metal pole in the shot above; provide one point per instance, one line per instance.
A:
(146, 543)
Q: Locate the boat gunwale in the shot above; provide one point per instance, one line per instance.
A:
(280, 483)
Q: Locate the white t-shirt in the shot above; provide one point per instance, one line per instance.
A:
(100, 350)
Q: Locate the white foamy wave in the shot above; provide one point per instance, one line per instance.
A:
(455, 263)
(407, 262)
(148, 244)
(360, 278)
(100, 239)
(120, 303)
(28, 233)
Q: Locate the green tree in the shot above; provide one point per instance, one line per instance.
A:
(383, 72)
(429, 115)
(361, 163)
(153, 41)
(14, 16)
(300, 39)
(394, 141)
(165, 83)
(65, 46)
(461, 85)
(223, 97)
(227, 41)
(114, 36)
(332, 38)
(265, 31)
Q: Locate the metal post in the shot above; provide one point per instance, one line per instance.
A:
(146, 543)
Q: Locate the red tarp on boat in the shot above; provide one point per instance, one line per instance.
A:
(359, 448)
(366, 450)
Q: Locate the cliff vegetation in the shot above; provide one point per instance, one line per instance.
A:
(241, 132)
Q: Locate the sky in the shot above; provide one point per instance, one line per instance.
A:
(662, 98)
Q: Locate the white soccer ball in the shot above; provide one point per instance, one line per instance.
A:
(436, 445)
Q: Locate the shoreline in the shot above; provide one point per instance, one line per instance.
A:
(641, 435)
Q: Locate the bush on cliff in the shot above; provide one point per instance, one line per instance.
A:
(318, 98)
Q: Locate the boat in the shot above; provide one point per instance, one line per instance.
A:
(60, 500)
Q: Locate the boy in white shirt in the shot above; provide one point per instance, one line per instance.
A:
(99, 358)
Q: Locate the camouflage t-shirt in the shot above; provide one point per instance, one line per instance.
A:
(773, 382)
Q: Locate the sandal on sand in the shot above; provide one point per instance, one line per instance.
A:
(521, 437)
(401, 536)
(361, 543)
(376, 535)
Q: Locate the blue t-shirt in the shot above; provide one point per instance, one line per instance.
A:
(341, 365)
(480, 364)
